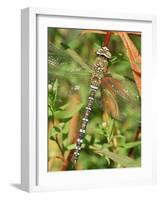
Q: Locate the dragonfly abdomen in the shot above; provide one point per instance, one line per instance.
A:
(85, 119)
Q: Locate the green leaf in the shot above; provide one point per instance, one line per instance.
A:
(52, 97)
(50, 114)
(60, 126)
(109, 130)
(95, 146)
(53, 133)
(106, 129)
(120, 139)
(108, 160)
(55, 91)
(131, 144)
(61, 114)
(124, 161)
(64, 106)
(55, 86)
(99, 130)
(88, 138)
(97, 46)
(107, 145)
(56, 129)
(70, 147)
(66, 128)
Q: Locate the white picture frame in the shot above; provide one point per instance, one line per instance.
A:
(34, 175)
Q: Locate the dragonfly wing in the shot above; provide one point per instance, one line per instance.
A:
(56, 55)
(72, 78)
(62, 64)
(123, 88)
(123, 92)
(110, 104)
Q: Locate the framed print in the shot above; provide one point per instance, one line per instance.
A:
(86, 108)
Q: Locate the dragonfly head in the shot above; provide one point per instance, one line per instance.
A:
(104, 51)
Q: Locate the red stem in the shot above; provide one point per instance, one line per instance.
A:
(107, 39)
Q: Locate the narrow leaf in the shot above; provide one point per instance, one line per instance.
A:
(71, 147)
(61, 114)
(131, 144)
(123, 160)
(134, 58)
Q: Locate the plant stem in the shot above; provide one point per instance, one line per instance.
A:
(56, 140)
(137, 135)
(107, 39)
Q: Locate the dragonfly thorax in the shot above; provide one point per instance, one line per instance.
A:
(101, 62)
(100, 66)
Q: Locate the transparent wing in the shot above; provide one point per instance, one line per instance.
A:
(66, 64)
(120, 98)
(71, 73)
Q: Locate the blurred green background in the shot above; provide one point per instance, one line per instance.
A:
(112, 139)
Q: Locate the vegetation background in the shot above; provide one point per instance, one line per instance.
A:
(113, 136)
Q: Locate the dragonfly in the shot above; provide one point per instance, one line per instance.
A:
(66, 65)
(100, 68)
